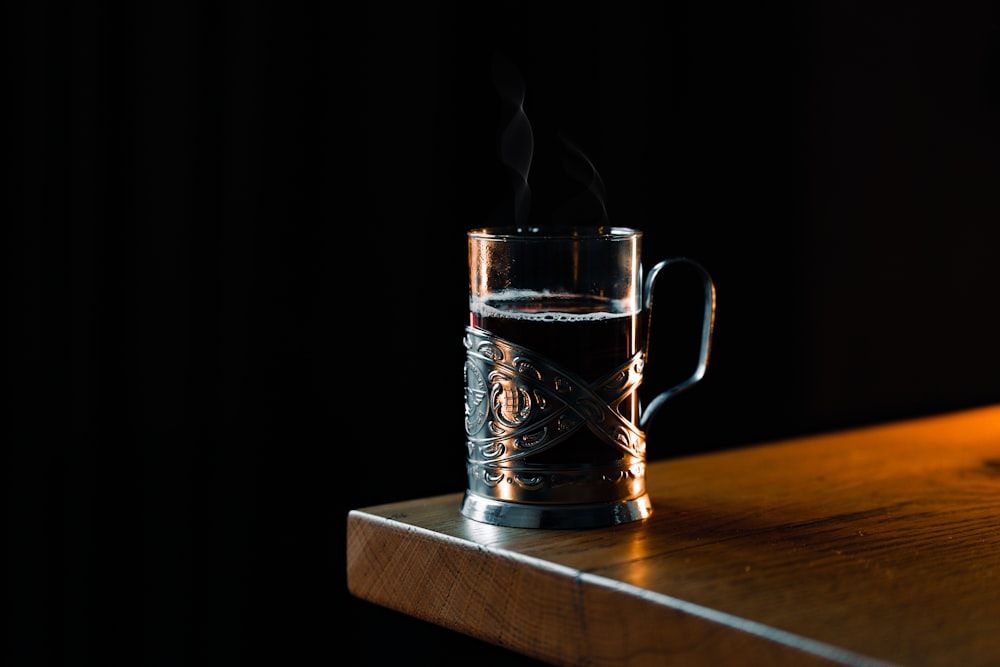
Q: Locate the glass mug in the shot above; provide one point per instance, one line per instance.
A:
(556, 343)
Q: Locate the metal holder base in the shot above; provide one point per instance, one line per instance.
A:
(523, 515)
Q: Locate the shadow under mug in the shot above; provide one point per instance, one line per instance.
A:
(556, 344)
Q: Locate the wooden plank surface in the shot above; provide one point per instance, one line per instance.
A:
(878, 545)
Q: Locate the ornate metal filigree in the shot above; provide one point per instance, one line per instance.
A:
(518, 403)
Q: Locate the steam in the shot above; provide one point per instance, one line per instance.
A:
(517, 141)
(516, 148)
(586, 173)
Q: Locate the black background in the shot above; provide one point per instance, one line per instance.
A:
(236, 273)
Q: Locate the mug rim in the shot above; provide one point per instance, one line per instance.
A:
(556, 232)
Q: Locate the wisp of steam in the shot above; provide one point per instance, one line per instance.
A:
(517, 142)
(516, 148)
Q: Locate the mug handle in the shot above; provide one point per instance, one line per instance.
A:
(708, 323)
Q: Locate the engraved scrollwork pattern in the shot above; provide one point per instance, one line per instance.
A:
(528, 403)
(519, 403)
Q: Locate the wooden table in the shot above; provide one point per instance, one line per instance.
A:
(879, 545)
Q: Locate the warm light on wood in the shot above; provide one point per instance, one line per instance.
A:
(871, 546)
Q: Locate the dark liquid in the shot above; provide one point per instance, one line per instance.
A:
(579, 336)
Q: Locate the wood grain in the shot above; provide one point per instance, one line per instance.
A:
(871, 546)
